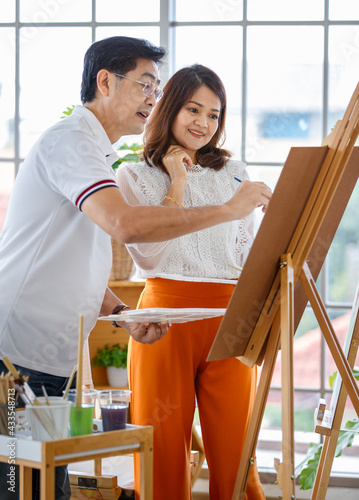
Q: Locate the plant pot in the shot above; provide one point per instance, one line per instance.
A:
(117, 377)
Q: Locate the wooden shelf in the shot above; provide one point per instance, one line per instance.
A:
(46, 455)
(109, 387)
(126, 284)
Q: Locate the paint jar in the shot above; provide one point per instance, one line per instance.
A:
(114, 408)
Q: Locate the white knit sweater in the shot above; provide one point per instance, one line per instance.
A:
(200, 256)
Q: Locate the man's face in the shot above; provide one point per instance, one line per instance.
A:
(129, 108)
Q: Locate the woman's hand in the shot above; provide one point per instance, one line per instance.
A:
(174, 160)
(146, 333)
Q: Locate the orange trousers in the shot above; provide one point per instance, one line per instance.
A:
(167, 377)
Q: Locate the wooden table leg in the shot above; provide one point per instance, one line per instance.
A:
(25, 482)
(146, 487)
(98, 467)
(47, 480)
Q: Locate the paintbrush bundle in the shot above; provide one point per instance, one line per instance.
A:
(7, 400)
(21, 385)
(29, 398)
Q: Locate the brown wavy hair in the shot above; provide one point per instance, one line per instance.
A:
(177, 92)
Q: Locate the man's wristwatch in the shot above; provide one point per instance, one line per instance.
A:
(118, 309)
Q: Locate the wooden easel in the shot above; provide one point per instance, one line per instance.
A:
(265, 317)
(332, 428)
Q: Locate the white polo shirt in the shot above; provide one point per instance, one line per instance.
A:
(54, 261)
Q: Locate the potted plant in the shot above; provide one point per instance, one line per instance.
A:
(114, 359)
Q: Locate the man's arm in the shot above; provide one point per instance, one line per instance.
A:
(135, 224)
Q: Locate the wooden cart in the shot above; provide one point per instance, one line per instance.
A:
(46, 455)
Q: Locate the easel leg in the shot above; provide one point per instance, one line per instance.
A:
(325, 464)
(258, 411)
(330, 337)
(287, 332)
(330, 442)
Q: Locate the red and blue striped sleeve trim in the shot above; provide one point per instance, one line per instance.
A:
(92, 189)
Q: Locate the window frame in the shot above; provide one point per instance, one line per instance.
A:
(167, 25)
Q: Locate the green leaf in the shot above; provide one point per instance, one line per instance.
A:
(308, 473)
(332, 379)
(307, 469)
(311, 460)
(333, 376)
(114, 355)
(68, 111)
(133, 147)
(353, 425)
(345, 437)
(134, 156)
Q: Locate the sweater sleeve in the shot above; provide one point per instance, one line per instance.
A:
(137, 185)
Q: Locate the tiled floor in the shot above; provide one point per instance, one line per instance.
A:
(272, 492)
(124, 465)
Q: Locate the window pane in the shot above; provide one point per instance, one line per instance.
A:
(269, 175)
(305, 404)
(54, 11)
(285, 10)
(7, 9)
(7, 92)
(149, 33)
(7, 177)
(306, 350)
(50, 68)
(284, 90)
(134, 11)
(343, 267)
(307, 323)
(272, 418)
(343, 69)
(304, 407)
(344, 9)
(349, 459)
(340, 321)
(202, 10)
(188, 53)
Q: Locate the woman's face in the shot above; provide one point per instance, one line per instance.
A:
(197, 121)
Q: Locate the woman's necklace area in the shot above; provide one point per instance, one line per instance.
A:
(194, 168)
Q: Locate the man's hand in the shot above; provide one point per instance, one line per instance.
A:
(249, 195)
(146, 333)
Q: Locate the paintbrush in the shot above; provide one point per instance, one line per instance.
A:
(235, 267)
(53, 425)
(79, 363)
(70, 382)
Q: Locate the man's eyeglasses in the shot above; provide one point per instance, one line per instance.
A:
(149, 88)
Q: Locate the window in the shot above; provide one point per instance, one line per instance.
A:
(289, 68)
